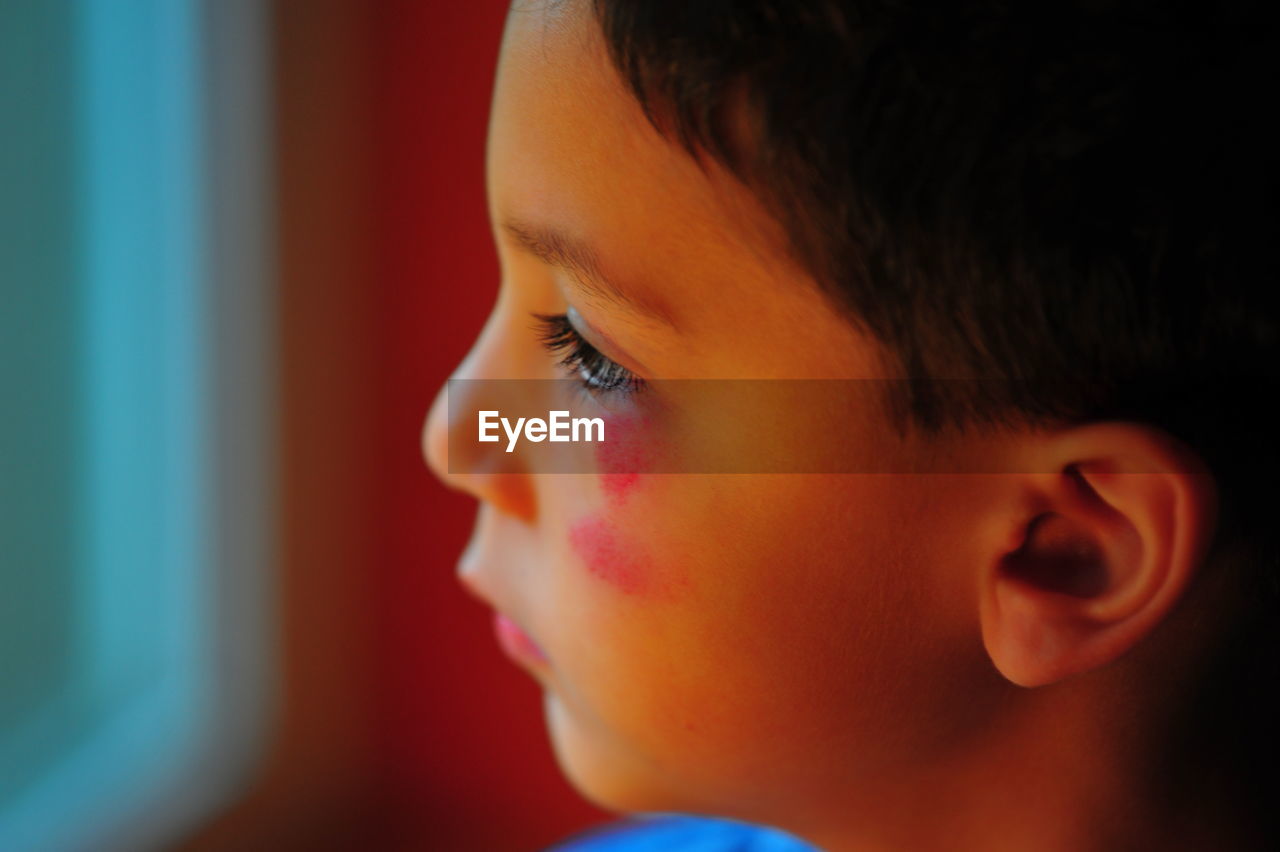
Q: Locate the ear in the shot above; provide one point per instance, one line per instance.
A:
(1104, 546)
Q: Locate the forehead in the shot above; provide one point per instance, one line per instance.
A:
(571, 148)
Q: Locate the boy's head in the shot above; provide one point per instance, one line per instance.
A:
(1057, 230)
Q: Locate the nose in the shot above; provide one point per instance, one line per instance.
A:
(497, 477)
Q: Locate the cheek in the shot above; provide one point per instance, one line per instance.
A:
(616, 557)
(631, 448)
(596, 542)
(618, 486)
(608, 542)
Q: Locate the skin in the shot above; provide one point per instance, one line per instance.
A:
(819, 652)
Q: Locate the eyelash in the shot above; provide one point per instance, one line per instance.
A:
(597, 374)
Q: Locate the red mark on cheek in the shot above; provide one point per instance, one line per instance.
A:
(617, 485)
(625, 452)
(606, 556)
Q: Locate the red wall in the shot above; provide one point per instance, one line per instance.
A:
(461, 742)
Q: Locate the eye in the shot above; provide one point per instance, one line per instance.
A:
(581, 360)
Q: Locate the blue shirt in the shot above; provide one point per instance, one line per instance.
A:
(661, 832)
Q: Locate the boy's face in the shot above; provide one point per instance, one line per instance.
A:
(750, 645)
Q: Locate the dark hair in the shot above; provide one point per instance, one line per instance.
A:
(1069, 206)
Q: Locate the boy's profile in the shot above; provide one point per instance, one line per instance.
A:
(1047, 235)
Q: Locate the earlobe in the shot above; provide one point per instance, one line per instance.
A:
(1116, 536)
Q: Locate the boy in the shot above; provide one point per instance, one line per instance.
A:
(1047, 242)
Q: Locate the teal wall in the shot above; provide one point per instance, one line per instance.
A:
(133, 583)
(40, 367)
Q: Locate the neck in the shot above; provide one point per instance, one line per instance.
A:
(1053, 773)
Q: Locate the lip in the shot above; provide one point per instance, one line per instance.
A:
(512, 638)
(516, 643)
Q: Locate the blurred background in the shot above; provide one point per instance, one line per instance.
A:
(242, 243)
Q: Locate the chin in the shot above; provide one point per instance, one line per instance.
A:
(608, 777)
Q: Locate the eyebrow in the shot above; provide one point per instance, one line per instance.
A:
(558, 249)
